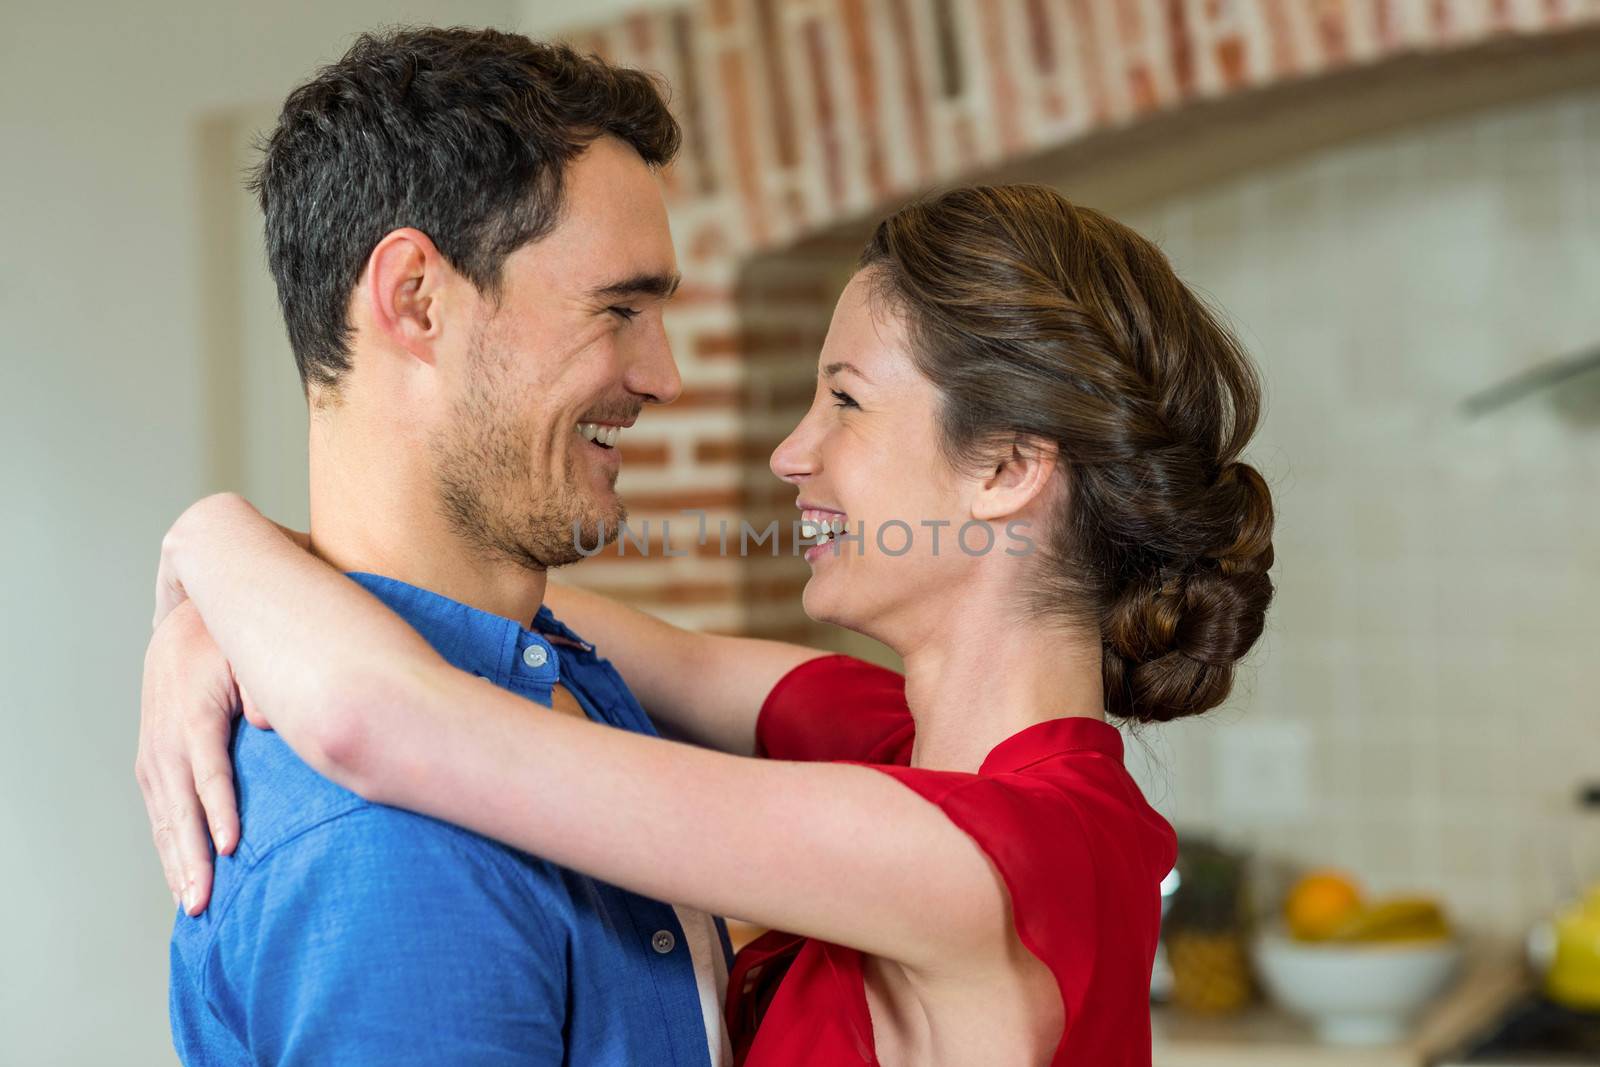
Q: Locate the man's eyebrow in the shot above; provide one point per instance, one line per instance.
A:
(657, 285)
(834, 368)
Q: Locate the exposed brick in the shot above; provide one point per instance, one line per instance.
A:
(1285, 59)
(1332, 32)
(775, 62)
(739, 451)
(778, 102)
(709, 242)
(645, 453)
(952, 74)
(1182, 47)
(678, 499)
(1439, 15)
(691, 109)
(1231, 62)
(792, 395)
(827, 118)
(672, 592)
(1087, 47)
(641, 36)
(787, 294)
(1002, 80)
(1054, 104)
(776, 588)
(1040, 37)
(756, 343)
(702, 397)
(793, 203)
(797, 634)
(703, 592)
(741, 138)
(1142, 89)
(598, 42)
(864, 71)
(966, 138)
(913, 85)
(1388, 22)
(613, 556)
(690, 295)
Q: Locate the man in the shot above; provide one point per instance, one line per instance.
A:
(472, 254)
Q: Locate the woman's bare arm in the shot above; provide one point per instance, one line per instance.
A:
(704, 688)
(834, 851)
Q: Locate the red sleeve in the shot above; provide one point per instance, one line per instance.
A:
(837, 708)
(1082, 856)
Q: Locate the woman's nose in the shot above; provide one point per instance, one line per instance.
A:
(794, 459)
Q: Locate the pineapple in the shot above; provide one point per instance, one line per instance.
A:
(1206, 932)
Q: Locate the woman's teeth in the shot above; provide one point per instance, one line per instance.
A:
(820, 527)
(604, 436)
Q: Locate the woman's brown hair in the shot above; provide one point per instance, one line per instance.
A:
(1038, 318)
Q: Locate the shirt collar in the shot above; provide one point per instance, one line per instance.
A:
(470, 639)
(1045, 739)
(546, 622)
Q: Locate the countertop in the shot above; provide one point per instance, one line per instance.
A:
(1490, 979)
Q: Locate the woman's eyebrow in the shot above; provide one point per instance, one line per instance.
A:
(834, 368)
(657, 285)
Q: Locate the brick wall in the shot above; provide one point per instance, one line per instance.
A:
(804, 118)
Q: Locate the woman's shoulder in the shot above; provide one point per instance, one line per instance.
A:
(1056, 800)
(837, 707)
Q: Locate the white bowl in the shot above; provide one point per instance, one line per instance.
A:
(1355, 994)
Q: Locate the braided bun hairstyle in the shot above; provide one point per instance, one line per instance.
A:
(1038, 318)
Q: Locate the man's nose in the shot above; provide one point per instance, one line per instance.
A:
(652, 372)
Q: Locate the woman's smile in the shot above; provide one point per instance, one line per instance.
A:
(819, 528)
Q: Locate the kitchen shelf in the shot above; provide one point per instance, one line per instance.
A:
(1491, 978)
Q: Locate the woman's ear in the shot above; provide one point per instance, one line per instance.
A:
(1021, 473)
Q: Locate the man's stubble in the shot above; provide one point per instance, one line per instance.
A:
(488, 487)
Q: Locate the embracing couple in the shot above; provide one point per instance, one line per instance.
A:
(448, 830)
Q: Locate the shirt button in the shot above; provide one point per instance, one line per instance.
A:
(534, 656)
(663, 942)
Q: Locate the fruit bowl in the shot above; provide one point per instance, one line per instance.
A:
(1355, 993)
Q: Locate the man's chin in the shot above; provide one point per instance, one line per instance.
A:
(590, 534)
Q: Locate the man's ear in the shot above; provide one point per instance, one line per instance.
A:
(405, 287)
(1021, 473)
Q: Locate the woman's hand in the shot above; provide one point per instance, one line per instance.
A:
(183, 768)
(169, 586)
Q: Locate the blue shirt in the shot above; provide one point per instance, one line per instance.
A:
(345, 932)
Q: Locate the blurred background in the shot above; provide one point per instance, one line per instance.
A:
(1397, 204)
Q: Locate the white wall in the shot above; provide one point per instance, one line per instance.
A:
(1438, 606)
(103, 439)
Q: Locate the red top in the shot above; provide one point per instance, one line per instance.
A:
(1079, 849)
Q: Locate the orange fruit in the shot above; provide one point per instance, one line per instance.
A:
(1320, 903)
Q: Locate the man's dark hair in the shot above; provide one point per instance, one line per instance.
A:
(464, 134)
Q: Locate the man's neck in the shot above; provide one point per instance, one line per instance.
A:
(380, 517)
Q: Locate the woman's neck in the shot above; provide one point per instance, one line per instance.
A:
(986, 674)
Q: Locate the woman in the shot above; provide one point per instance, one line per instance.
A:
(967, 872)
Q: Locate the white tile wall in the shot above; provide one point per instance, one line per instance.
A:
(1438, 617)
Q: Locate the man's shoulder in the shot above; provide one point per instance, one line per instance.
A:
(435, 938)
(307, 843)
(294, 822)
(280, 795)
